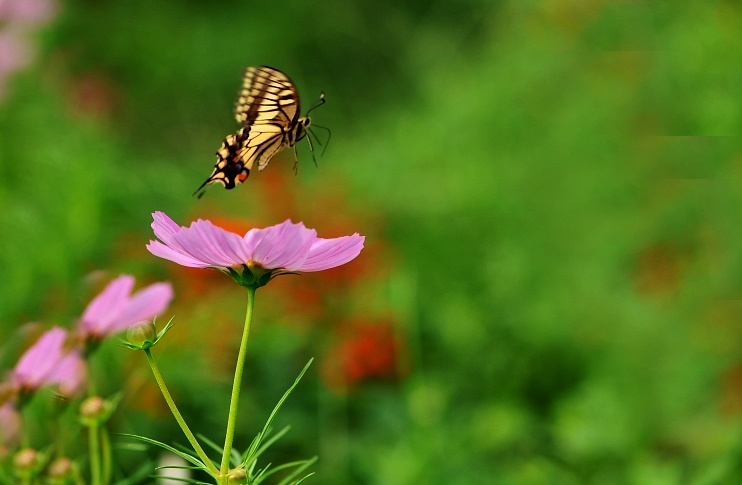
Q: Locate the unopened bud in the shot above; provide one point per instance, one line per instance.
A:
(61, 468)
(25, 459)
(142, 334)
(93, 407)
(238, 476)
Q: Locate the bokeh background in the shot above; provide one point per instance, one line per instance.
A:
(550, 191)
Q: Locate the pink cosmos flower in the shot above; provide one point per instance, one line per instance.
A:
(286, 246)
(49, 362)
(116, 309)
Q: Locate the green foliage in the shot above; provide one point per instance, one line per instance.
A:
(559, 184)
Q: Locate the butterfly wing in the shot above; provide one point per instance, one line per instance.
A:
(267, 96)
(239, 152)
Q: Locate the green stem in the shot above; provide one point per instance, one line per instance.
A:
(94, 444)
(106, 448)
(178, 417)
(234, 402)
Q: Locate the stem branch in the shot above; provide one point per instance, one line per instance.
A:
(178, 417)
(94, 442)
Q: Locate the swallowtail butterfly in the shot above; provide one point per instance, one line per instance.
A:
(268, 110)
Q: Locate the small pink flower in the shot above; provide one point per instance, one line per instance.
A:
(116, 309)
(286, 246)
(10, 425)
(49, 362)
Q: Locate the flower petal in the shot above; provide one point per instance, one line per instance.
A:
(164, 227)
(284, 245)
(329, 253)
(71, 374)
(146, 304)
(166, 252)
(36, 365)
(224, 246)
(106, 307)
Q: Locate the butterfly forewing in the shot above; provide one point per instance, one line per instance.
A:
(267, 95)
(267, 107)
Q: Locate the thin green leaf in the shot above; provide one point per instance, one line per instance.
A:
(184, 480)
(187, 457)
(138, 476)
(267, 444)
(177, 467)
(210, 443)
(298, 471)
(304, 478)
(302, 465)
(254, 445)
(259, 476)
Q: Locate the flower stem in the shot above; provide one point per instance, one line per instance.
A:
(105, 441)
(234, 402)
(94, 444)
(178, 417)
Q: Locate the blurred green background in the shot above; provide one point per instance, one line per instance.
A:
(550, 192)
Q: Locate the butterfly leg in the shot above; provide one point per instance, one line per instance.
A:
(296, 161)
(311, 147)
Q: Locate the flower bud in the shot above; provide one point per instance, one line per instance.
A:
(25, 460)
(238, 476)
(142, 334)
(61, 468)
(93, 408)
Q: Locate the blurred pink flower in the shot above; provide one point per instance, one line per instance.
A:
(15, 53)
(10, 425)
(287, 246)
(27, 11)
(116, 309)
(49, 362)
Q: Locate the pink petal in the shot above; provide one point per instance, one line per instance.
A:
(329, 253)
(71, 374)
(106, 307)
(219, 245)
(165, 229)
(165, 252)
(38, 362)
(146, 304)
(285, 245)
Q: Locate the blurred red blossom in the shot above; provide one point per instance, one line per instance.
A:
(367, 351)
(93, 94)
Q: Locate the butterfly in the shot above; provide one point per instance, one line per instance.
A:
(268, 110)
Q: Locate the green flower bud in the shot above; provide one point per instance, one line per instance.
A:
(238, 476)
(142, 334)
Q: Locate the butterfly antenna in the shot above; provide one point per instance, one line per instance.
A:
(318, 103)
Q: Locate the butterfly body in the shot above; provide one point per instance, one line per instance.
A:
(267, 107)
